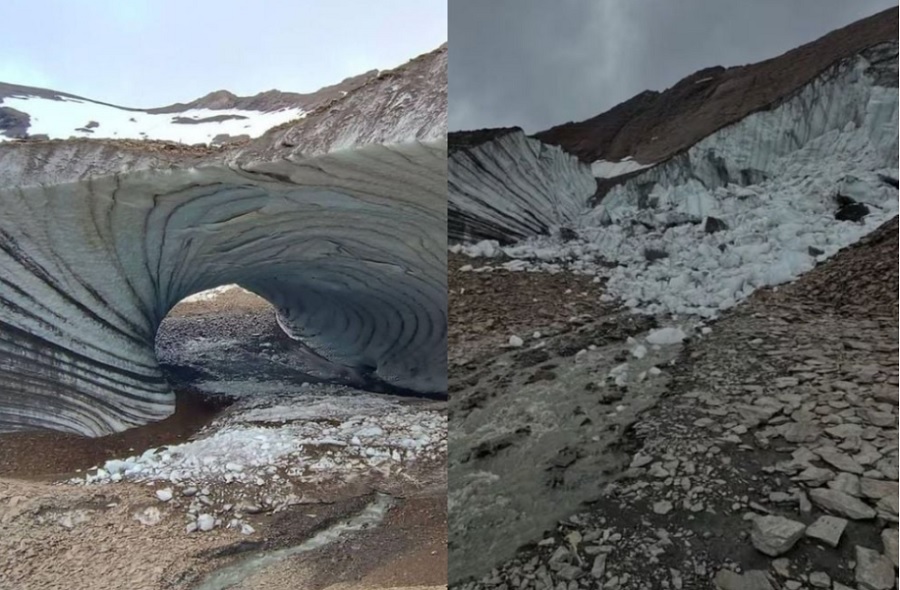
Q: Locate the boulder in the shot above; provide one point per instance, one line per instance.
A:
(775, 535)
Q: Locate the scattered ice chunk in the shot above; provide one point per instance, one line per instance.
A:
(206, 522)
(149, 516)
(668, 335)
(619, 374)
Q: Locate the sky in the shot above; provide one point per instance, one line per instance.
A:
(539, 63)
(151, 53)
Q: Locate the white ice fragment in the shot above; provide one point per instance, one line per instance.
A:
(206, 522)
(515, 341)
(149, 516)
(669, 335)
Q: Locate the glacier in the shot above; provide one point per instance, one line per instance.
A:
(848, 112)
(769, 182)
(88, 270)
(339, 222)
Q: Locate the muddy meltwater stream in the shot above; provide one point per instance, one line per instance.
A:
(234, 574)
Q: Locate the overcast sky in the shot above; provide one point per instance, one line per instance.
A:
(538, 63)
(150, 53)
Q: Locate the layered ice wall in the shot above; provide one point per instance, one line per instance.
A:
(347, 247)
(339, 222)
(512, 187)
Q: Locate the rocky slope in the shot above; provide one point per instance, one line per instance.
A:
(408, 103)
(859, 280)
(769, 461)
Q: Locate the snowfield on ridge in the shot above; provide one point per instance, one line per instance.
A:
(69, 117)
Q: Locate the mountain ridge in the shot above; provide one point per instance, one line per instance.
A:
(216, 100)
(653, 126)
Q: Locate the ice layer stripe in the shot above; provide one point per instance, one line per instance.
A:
(513, 187)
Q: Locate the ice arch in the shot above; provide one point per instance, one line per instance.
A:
(349, 247)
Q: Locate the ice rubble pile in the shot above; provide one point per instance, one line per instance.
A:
(309, 437)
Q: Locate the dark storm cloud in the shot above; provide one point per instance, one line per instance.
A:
(537, 63)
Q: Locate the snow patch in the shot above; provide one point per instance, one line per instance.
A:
(209, 294)
(68, 117)
(607, 169)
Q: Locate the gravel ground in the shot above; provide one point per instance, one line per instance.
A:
(767, 460)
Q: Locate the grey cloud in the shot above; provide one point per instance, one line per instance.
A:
(538, 63)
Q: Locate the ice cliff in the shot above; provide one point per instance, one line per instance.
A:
(752, 205)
